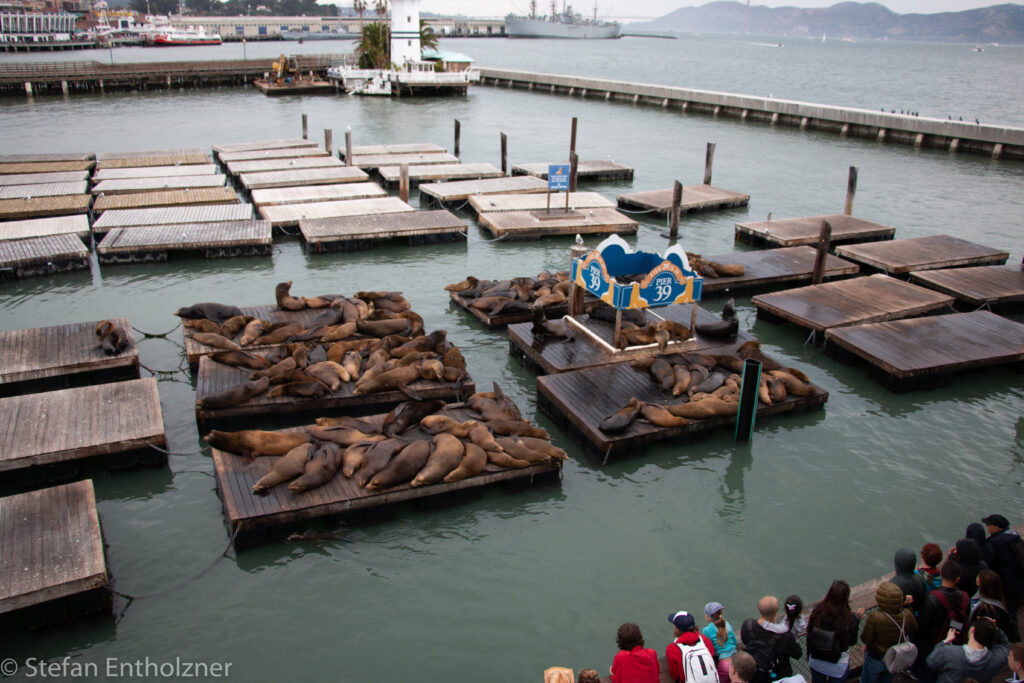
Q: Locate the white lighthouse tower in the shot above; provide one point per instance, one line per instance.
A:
(405, 32)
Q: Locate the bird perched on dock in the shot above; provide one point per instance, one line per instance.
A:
(579, 240)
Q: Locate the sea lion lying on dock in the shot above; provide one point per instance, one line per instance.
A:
(241, 359)
(728, 326)
(407, 415)
(218, 313)
(444, 458)
(622, 418)
(112, 338)
(473, 462)
(285, 300)
(287, 467)
(320, 468)
(405, 465)
(235, 395)
(216, 341)
(253, 442)
(543, 328)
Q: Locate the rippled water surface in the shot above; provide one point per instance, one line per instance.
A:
(509, 582)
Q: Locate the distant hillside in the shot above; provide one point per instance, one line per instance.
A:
(998, 23)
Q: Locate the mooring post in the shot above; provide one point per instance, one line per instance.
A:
(693, 318)
(458, 136)
(305, 126)
(677, 207)
(403, 183)
(851, 190)
(572, 156)
(504, 154)
(576, 251)
(574, 162)
(824, 239)
(747, 410)
(348, 147)
(328, 140)
(618, 328)
(709, 161)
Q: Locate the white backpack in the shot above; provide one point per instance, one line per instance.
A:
(698, 664)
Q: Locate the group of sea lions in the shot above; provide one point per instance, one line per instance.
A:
(417, 443)
(112, 338)
(704, 385)
(713, 269)
(520, 294)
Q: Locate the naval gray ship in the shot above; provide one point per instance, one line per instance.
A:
(564, 24)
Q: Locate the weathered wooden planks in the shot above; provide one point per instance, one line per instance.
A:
(38, 207)
(150, 154)
(791, 232)
(538, 202)
(214, 213)
(43, 190)
(316, 193)
(154, 172)
(850, 302)
(36, 178)
(922, 253)
(326, 234)
(196, 196)
(418, 174)
(998, 287)
(263, 165)
(458, 190)
(374, 161)
(284, 215)
(27, 356)
(53, 547)
(532, 224)
(923, 352)
(42, 227)
(42, 158)
(262, 144)
(196, 157)
(45, 166)
(279, 153)
(308, 176)
(585, 170)
(216, 240)
(43, 255)
(772, 268)
(54, 426)
(405, 148)
(149, 184)
(696, 198)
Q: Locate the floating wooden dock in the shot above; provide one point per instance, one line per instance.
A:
(236, 168)
(554, 356)
(441, 172)
(39, 207)
(215, 240)
(43, 190)
(791, 232)
(359, 232)
(149, 184)
(999, 288)
(460, 190)
(287, 215)
(214, 213)
(316, 193)
(922, 253)
(186, 158)
(35, 178)
(771, 269)
(53, 548)
(154, 172)
(580, 400)
(307, 176)
(405, 148)
(45, 358)
(534, 224)
(19, 167)
(77, 225)
(277, 153)
(37, 158)
(696, 199)
(876, 298)
(371, 162)
(153, 154)
(578, 201)
(585, 170)
(196, 196)
(43, 255)
(214, 378)
(271, 313)
(551, 312)
(924, 352)
(261, 145)
(303, 87)
(247, 512)
(69, 424)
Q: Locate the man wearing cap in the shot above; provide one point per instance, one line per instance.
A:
(1001, 539)
(686, 637)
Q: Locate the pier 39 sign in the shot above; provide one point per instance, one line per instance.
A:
(666, 279)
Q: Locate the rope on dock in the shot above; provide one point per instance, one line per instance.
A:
(285, 231)
(496, 239)
(637, 211)
(169, 373)
(150, 335)
(164, 450)
(440, 202)
(811, 338)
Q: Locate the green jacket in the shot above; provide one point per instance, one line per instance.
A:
(880, 633)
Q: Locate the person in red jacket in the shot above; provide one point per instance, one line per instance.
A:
(686, 634)
(634, 663)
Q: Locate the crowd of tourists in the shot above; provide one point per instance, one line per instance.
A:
(952, 618)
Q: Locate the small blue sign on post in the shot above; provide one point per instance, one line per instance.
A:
(558, 177)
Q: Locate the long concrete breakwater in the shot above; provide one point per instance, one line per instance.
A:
(955, 136)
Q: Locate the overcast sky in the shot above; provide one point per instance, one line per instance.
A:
(641, 9)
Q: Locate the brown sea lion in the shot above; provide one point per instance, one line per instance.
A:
(235, 395)
(502, 459)
(776, 390)
(407, 415)
(469, 283)
(521, 451)
(112, 338)
(482, 436)
(544, 328)
(296, 375)
(218, 313)
(622, 418)
(320, 468)
(436, 424)
(299, 389)
(354, 457)
(279, 335)
(285, 468)
(376, 459)
(253, 442)
(338, 332)
(712, 382)
(429, 342)
(279, 368)
(300, 352)
(516, 428)
(392, 380)
(241, 359)
(663, 374)
(445, 457)
(473, 462)
(544, 446)
(317, 302)
(727, 269)
(351, 422)
(382, 328)
(253, 330)
(215, 340)
(343, 436)
(453, 358)
(657, 415)
(329, 372)
(234, 325)
(682, 377)
(353, 364)
(284, 300)
(793, 385)
(202, 325)
(727, 326)
(703, 409)
(402, 467)
(432, 370)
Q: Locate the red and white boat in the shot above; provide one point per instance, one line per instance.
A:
(185, 36)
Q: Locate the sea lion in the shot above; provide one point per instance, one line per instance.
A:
(516, 428)
(727, 326)
(480, 435)
(218, 313)
(354, 457)
(334, 315)
(234, 325)
(553, 298)
(299, 389)
(241, 359)
(253, 330)
(320, 468)
(502, 459)
(317, 302)
(445, 457)
(382, 328)
(436, 424)
(793, 385)
(296, 375)
(407, 415)
(622, 418)
(376, 458)
(403, 466)
(663, 374)
(727, 269)
(350, 422)
(300, 352)
(469, 283)
(544, 446)
(286, 301)
(253, 442)
(543, 328)
(395, 379)
(343, 436)
(521, 451)
(432, 370)
(285, 468)
(776, 390)
(702, 409)
(712, 382)
(430, 342)
(682, 377)
(317, 354)
(352, 361)
(279, 335)
(278, 368)
(338, 332)
(763, 394)
(330, 373)
(235, 395)
(215, 340)
(473, 462)
(657, 415)
(112, 338)
(202, 325)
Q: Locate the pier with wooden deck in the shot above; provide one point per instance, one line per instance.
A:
(773, 269)
(30, 166)
(196, 196)
(154, 172)
(77, 225)
(585, 170)
(184, 156)
(41, 207)
(391, 175)
(348, 233)
(143, 244)
(538, 201)
(129, 218)
(791, 232)
(43, 255)
(53, 561)
(47, 358)
(43, 190)
(316, 193)
(127, 185)
(237, 168)
(440, 194)
(515, 225)
(35, 178)
(275, 153)
(371, 162)
(695, 199)
(998, 288)
(899, 257)
(330, 175)
(288, 215)
(228, 148)
(407, 148)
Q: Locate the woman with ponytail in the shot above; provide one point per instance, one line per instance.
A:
(719, 631)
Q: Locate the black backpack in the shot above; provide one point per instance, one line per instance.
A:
(763, 652)
(957, 613)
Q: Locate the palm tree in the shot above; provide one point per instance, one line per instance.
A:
(428, 39)
(360, 7)
(374, 47)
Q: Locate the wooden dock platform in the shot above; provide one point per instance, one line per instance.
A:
(153, 154)
(44, 358)
(69, 424)
(43, 255)
(35, 178)
(287, 215)
(876, 298)
(262, 144)
(402, 148)
(277, 153)
(791, 232)
(169, 158)
(899, 257)
(538, 202)
(999, 288)
(316, 193)
(196, 196)
(43, 190)
(438, 173)
(502, 319)
(142, 244)
(773, 269)
(39, 207)
(924, 352)
(696, 199)
(236, 168)
(534, 224)
(371, 162)
(18, 167)
(154, 172)
(580, 400)
(214, 378)
(460, 190)
(585, 170)
(53, 548)
(214, 213)
(246, 512)
(150, 184)
(348, 233)
(307, 176)
(271, 313)
(77, 225)
(36, 158)
(551, 357)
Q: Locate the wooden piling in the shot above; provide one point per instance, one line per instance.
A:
(348, 147)
(458, 136)
(824, 238)
(403, 183)
(851, 190)
(504, 154)
(305, 126)
(328, 140)
(574, 162)
(677, 203)
(576, 251)
(709, 161)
